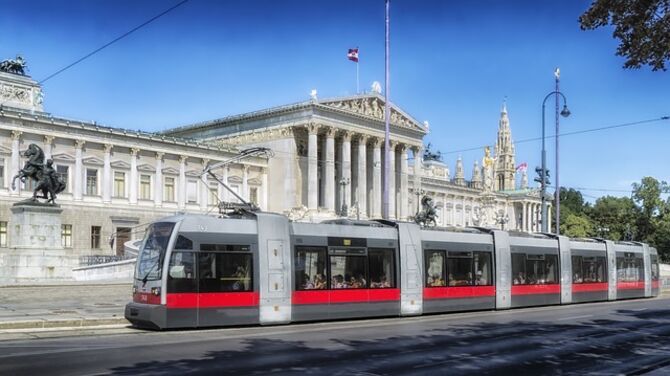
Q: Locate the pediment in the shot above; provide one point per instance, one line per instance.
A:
(121, 164)
(254, 181)
(146, 168)
(193, 173)
(170, 171)
(63, 157)
(373, 106)
(93, 161)
(234, 179)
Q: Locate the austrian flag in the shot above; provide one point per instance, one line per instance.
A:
(353, 54)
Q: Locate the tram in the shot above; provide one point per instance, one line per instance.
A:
(260, 268)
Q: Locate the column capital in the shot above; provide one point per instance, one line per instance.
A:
(403, 147)
(182, 159)
(108, 148)
(346, 135)
(16, 135)
(393, 144)
(328, 131)
(362, 138)
(134, 152)
(313, 128)
(159, 155)
(78, 144)
(375, 141)
(48, 139)
(205, 162)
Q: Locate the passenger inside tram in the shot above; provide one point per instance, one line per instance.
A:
(383, 283)
(520, 279)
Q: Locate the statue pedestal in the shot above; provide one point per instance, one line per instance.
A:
(35, 251)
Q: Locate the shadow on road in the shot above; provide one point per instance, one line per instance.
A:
(636, 344)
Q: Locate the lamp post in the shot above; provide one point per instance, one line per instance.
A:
(565, 113)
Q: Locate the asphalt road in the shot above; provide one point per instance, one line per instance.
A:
(629, 337)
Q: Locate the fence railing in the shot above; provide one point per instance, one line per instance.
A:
(101, 259)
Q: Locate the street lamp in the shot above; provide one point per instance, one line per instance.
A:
(502, 219)
(543, 181)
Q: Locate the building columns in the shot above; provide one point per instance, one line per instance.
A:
(158, 180)
(107, 174)
(312, 168)
(16, 160)
(132, 192)
(245, 183)
(329, 191)
(391, 178)
(346, 168)
(403, 183)
(203, 183)
(376, 201)
(264, 189)
(78, 173)
(181, 193)
(362, 176)
(48, 142)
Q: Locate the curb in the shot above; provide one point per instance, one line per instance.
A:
(67, 323)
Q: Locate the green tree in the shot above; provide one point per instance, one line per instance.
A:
(647, 194)
(576, 226)
(641, 26)
(614, 218)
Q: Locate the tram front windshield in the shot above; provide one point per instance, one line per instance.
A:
(152, 251)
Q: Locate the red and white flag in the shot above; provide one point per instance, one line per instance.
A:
(522, 167)
(353, 54)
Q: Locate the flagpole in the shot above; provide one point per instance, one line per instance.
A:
(387, 113)
(357, 86)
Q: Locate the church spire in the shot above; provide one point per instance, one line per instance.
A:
(504, 153)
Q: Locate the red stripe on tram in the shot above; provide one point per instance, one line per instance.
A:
(536, 289)
(630, 285)
(345, 296)
(589, 287)
(212, 300)
(458, 292)
(146, 298)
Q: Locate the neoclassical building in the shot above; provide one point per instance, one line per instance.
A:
(328, 159)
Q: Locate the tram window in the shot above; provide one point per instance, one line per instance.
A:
(310, 268)
(482, 265)
(348, 272)
(225, 272)
(541, 269)
(654, 268)
(181, 273)
(436, 271)
(382, 268)
(577, 269)
(183, 243)
(593, 269)
(519, 268)
(152, 253)
(459, 266)
(629, 268)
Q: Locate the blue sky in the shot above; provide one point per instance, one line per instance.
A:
(452, 63)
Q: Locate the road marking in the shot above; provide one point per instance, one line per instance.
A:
(574, 317)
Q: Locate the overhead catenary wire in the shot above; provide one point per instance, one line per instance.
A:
(127, 33)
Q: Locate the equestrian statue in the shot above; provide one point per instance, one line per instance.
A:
(48, 183)
(16, 66)
(428, 214)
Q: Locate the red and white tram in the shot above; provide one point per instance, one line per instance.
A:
(203, 271)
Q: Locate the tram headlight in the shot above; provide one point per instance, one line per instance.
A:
(156, 291)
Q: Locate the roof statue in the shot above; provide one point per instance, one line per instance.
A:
(15, 66)
(428, 214)
(429, 155)
(376, 87)
(47, 181)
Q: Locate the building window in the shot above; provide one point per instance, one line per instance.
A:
(192, 192)
(91, 181)
(119, 184)
(66, 236)
(213, 194)
(168, 192)
(145, 187)
(95, 237)
(63, 173)
(3, 234)
(253, 195)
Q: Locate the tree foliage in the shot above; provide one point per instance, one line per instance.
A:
(641, 26)
(615, 217)
(576, 226)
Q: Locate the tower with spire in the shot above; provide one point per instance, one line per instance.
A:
(504, 154)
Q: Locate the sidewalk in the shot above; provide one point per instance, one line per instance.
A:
(66, 305)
